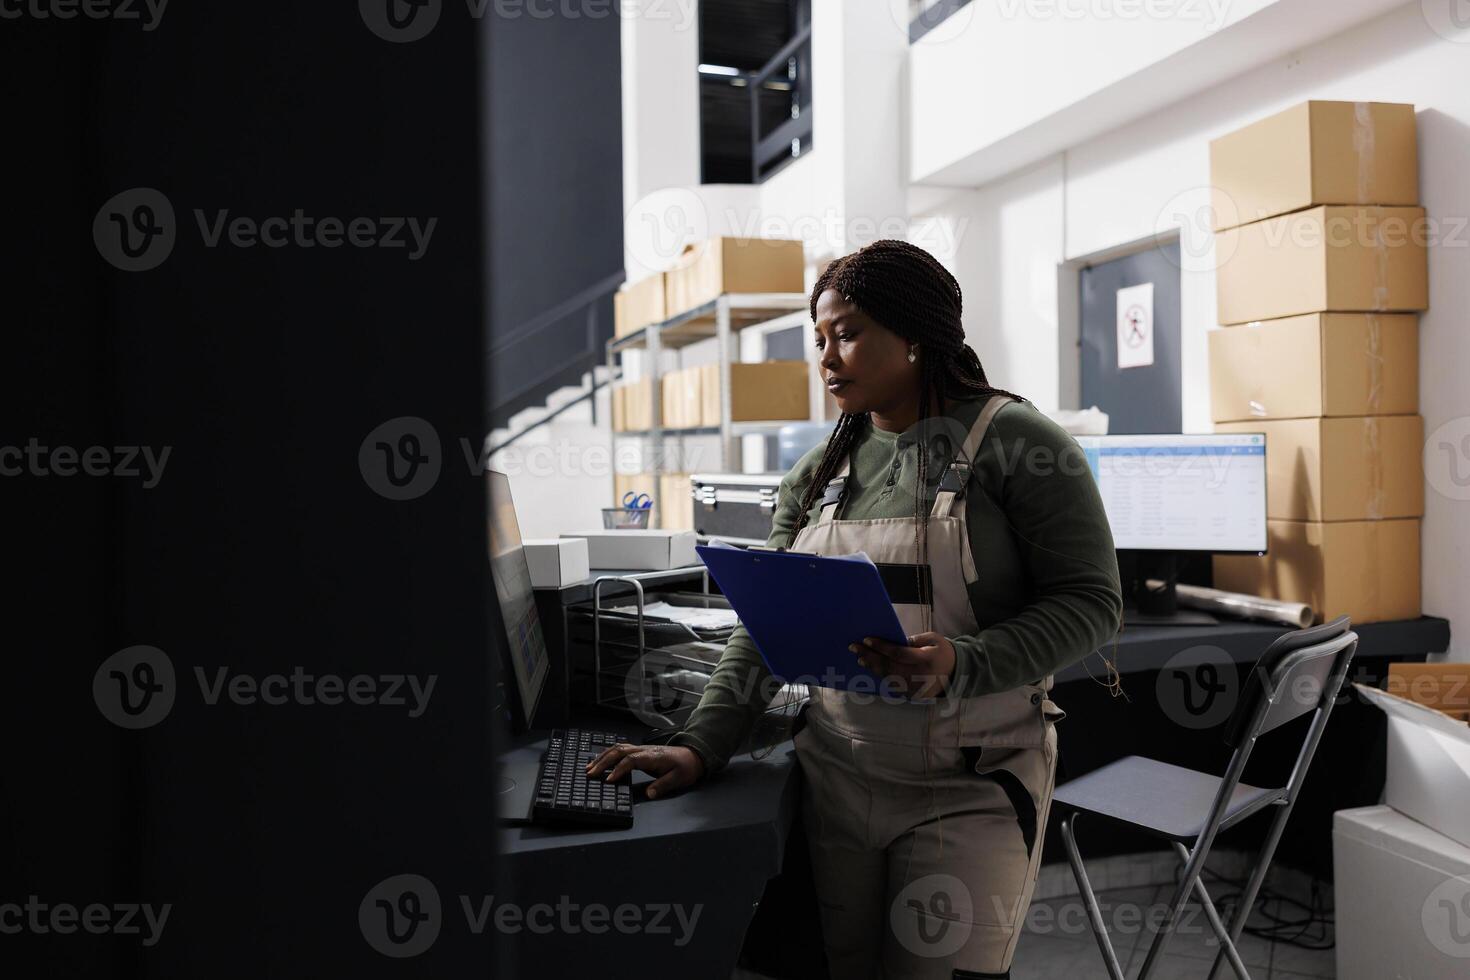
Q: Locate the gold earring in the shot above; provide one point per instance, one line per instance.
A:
(912, 356)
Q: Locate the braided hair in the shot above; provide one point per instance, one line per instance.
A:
(908, 292)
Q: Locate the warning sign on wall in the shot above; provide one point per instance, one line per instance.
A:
(1136, 326)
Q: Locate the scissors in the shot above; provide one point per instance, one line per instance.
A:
(633, 500)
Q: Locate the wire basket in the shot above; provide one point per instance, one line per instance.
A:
(625, 518)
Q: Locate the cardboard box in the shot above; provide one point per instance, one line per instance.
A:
(1428, 764)
(632, 411)
(641, 551)
(1442, 686)
(1338, 259)
(1319, 364)
(676, 506)
(681, 399)
(1341, 469)
(1368, 570)
(709, 393)
(638, 304)
(555, 562)
(1400, 890)
(1315, 153)
(766, 391)
(733, 265)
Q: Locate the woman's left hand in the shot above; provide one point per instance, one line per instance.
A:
(920, 670)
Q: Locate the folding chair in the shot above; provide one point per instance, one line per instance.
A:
(1301, 671)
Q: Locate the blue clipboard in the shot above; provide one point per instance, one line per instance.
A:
(802, 611)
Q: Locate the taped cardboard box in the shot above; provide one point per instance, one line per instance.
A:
(1315, 153)
(764, 391)
(1445, 687)
(733, 265)
(1326, 259)
(1368, 570)
(1331, 364)
(1341, 469)
(638, 304)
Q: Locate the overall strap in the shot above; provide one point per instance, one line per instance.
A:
(957, 475)
(832, 495)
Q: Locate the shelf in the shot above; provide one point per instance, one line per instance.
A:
(703, 430)
(700, 323)
(754, 428)
(736, 428)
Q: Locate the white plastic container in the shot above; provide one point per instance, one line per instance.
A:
(1402, 894)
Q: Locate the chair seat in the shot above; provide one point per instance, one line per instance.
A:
(1171, 801)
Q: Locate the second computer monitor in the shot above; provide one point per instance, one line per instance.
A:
(525, 644)
(1182, 493)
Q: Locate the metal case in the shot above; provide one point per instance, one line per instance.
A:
(735, 505)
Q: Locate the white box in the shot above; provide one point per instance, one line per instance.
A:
(1402, 896)
(639, 551)
(1428, 766)
(555, 562)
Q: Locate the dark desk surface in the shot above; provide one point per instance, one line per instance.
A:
(703, 857)
(751, 798)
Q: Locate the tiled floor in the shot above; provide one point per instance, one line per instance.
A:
(1059, 945)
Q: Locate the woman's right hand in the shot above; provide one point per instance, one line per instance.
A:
(676, 766)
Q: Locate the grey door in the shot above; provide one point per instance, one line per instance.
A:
(1137, 399)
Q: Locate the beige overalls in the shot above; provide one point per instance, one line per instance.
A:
(925, 819)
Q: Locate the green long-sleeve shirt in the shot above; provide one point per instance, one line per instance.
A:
(1047, 594)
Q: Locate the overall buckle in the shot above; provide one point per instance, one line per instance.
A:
(836, 487)
(956, 477)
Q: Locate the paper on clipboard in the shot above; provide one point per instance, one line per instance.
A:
(855, 556)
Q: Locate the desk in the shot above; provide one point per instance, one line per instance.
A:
(717, 847)
(709, 851)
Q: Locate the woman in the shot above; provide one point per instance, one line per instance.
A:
(925, 815)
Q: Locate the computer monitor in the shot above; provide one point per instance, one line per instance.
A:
(1182, 493)
(525, 654)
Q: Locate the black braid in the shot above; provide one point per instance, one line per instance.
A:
(907, 291)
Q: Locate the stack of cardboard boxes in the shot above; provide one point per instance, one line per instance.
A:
(638, 304)
(733, 265)
(1321, 259)
(703, 271)
(690, 398)
(759, 392)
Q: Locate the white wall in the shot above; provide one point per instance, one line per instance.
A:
(1003, 243)
(1140, 179)
(1040, 75)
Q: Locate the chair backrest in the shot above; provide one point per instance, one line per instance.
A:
(1291, 678)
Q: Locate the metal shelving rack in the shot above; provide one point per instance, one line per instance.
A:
(644, 665)
(723, 318)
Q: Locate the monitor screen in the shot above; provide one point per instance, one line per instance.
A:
(1182, 492)
(526, 643)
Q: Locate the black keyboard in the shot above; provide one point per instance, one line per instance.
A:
(566, 796)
